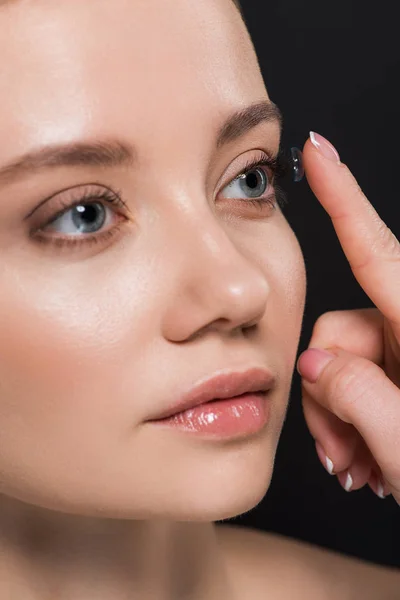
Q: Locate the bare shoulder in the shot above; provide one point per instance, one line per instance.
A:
(267, 565)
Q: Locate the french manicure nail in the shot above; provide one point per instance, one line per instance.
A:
(324, 147)
(345, 480)
(349, 483)
(380, 492)
(324, 458)
(329, 465)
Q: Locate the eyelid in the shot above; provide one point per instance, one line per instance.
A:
(71, 190)
(86, 196)
(255, 158)
(278, 166)
(70, 197)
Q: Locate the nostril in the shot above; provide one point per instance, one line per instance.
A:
(250, 324)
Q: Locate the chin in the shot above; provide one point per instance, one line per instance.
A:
(219, 484)
(209, 491)
(233, 492)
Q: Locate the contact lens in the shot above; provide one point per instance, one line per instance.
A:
(297, 162)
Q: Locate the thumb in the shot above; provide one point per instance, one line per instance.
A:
(358, 392)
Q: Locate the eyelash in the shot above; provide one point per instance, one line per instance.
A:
(277, 165)
(106, 196)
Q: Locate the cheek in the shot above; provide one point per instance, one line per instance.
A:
(294, 283)
(290, 282)
(287, 278)
(72, 383)
(63, 354)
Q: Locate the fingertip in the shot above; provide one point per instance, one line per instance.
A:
(378, 486)
(308, 145)
(312, 362)
(345, 479)
(324, 458)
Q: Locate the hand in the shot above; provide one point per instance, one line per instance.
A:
(351, 396)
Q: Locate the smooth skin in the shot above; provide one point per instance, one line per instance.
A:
(351, 399)
(97, 338)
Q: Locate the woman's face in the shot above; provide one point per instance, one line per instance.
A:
(100, 333)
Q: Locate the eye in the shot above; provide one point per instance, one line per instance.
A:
(83, 218)
(86, 217)
(252, 183)
(255, 184)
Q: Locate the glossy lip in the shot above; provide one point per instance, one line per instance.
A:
(221, 386)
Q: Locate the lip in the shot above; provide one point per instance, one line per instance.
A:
(221, 386)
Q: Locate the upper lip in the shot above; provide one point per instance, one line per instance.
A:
(220, 386)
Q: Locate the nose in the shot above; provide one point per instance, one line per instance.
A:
(216, 281)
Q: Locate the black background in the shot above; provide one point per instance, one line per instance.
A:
(333, 68)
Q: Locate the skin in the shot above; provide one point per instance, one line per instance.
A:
(351, 395)
(98, 338)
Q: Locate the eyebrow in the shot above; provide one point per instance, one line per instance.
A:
(242, 121)
(111, 153)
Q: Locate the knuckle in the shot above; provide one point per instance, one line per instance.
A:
(385, 242)
(325, 323)
(329, 327)
(333, 326)
(355, 188)
(352, 384)
(383, 246)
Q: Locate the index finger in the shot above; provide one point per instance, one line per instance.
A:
(371, 248)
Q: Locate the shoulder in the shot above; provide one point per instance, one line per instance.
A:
(261, 563)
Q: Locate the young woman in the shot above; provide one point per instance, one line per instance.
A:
(146, 267)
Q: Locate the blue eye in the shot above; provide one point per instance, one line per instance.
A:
(256, 184)
(252, 184)
(93, 217)
(82, 218)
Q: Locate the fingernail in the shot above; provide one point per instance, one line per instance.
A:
(377, 485)
(380, 491)
(324, 458)
(345, 480)
(312, 362)
(324, 147)
(349, 482)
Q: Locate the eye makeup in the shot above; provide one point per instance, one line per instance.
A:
(280, 166)
(83, 202)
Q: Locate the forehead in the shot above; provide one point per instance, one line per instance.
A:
(70, 67)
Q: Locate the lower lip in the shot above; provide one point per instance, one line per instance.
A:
(232, 417)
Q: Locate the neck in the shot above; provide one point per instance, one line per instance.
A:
(45, 554)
